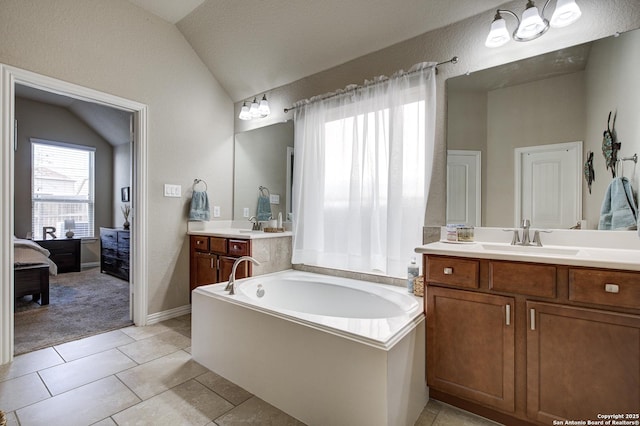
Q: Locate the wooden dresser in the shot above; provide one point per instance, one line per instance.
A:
(114, 252)
(65, 253)
(532, 343)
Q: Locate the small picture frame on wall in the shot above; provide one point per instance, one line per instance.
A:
(124, 193)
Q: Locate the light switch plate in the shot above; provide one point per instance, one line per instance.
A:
(275, 199)
(216, 211)
(172, 190)
(245, 212)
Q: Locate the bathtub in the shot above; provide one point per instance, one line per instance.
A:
(326, 350)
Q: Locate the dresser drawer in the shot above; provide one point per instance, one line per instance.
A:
(199, 243)
(238, 248)
(453, 271)
(523, 278)
(612, 288)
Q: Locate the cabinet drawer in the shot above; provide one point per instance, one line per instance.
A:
(123, 238)
(199, 243)
(459, 272)
(218, 245)
(610, 288)
(108, 236)
(523, 278)
(238, 248)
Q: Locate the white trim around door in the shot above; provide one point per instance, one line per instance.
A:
(9, 77)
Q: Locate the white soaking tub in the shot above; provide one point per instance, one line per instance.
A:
(326, 350)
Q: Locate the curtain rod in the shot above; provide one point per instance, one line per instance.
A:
(453, 60)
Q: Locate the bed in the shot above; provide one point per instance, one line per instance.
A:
(32, 268)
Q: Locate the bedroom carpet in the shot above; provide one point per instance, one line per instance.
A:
(80, 304)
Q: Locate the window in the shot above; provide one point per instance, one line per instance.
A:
(62, 188)
(362, 175)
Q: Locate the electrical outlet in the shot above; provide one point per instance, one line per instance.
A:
(245, 212)
(172, 190)
(274, 199)
(216, 211)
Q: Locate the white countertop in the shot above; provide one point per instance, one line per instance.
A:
(243, 234)
(599, 249)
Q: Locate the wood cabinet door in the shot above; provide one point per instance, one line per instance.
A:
(206, 269)
(581, 363)
(470, 346)
(226, 265)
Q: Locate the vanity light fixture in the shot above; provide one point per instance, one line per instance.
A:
(533, 23)
(255, 110)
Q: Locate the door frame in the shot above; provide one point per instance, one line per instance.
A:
(9, 77)
(518, 156)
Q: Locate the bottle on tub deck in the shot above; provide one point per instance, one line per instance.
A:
(413, 270)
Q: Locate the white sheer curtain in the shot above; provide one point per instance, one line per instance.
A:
(362, 171)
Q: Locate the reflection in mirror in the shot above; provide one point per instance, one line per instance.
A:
(536, 105)
(261, 158)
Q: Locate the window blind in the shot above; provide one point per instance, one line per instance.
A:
(62, 188)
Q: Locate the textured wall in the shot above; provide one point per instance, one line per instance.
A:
(466, 40)
(115, 47)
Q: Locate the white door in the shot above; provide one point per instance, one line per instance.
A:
(549, 185)
(464, 191)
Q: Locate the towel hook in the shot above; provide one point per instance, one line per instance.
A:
(197, 181)
(264, 190)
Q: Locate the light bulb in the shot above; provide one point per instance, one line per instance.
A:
(264, 107)
(244, 112)
(567, 12)
(255, 113)
(532, 25)
(498, 35)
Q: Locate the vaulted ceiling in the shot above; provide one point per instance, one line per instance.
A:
(251, 46)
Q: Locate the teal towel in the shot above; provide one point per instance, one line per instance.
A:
(264, 208)
(618, 207)
(199, 210)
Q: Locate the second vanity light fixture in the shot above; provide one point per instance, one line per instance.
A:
(533, 24)
(256, 110)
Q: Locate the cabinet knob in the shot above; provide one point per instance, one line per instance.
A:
(448, 271)
(611, 288)
(198, 242)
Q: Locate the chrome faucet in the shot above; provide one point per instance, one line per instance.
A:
(256, 224)
(526, 224)
(232, 278)
(526, 235)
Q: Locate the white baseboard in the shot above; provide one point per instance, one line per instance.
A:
(88, 265)
(165, 315)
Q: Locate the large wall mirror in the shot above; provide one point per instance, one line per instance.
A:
(263, 158)
(518, 135)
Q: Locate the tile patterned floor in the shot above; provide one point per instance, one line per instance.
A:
(144, 376)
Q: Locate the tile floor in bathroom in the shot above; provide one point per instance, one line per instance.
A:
(144, 376)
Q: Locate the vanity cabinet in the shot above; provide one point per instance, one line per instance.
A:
(212, 258)
(471, 346)
(530, 343)
(581, 363)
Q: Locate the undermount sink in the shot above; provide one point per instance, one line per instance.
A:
(531, 249)
(250, 231)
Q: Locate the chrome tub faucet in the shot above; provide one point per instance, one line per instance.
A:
(230, 287)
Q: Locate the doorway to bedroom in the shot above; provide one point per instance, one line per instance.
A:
(72, 180)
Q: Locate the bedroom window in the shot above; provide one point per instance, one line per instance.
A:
(62, 187)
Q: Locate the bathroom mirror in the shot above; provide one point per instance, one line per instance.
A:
(539, 104)
(263, 157)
